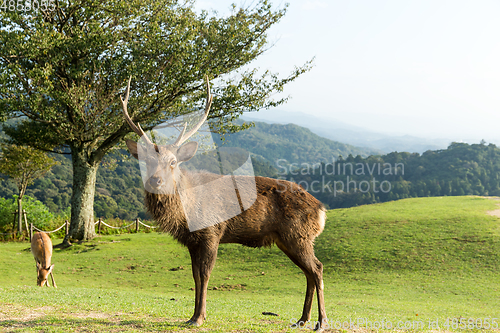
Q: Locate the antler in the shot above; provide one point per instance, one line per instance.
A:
(184, 136)
(137, 129)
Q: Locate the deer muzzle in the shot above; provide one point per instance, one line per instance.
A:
(155, 182)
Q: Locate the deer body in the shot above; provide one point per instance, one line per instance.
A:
(277, 200)
(283, 214)
(41, 247)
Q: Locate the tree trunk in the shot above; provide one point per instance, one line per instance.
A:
(82, 199)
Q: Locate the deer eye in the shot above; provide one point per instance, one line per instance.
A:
(173, 163)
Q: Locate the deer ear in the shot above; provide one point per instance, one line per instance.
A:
(132, 148)
(51, 268)
(187, 151)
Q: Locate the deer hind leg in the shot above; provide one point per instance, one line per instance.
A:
(203, 261)
(302, 252)
(306, 312)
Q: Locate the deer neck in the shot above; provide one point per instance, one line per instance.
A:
(168, 209)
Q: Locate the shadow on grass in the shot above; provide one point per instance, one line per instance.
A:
(92, 325)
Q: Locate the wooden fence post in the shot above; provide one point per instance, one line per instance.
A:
(137, 225)
(66, 229)
(31, 231)
(26, 221)
(99, 226)
(14, 224)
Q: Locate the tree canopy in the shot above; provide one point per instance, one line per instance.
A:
(23, 165)
(63, 70)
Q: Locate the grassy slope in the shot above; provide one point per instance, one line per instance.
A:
(415, 259)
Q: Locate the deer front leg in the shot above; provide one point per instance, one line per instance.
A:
(53, 281)
(203, 261)
(196, 276)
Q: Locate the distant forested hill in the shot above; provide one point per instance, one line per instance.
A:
(461, 169)
(119, 189)
(292, 143)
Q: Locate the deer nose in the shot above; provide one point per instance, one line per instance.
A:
(155, 181)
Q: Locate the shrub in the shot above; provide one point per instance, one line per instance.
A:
(37, 213)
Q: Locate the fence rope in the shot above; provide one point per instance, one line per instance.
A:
(110, 226)
(107, 225)
(147, 226)
(48, 232)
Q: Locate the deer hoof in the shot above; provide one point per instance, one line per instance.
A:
(320, 326)
(191, 322)
(300, 324)
(308, 324)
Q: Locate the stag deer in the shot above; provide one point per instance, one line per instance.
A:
(283, 213)
(41, 247)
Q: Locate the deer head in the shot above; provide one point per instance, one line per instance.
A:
(43, 274)
(162, 162)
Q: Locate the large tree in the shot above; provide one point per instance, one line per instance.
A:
(63, 68)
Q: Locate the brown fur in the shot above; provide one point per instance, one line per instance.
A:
(283, 214)
(41, 247)
(256, 226)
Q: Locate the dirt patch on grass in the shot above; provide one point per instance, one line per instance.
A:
(228, 287)
(19, 313)
(495, 212)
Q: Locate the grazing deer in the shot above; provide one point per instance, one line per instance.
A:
(41, 247)
(283, 213)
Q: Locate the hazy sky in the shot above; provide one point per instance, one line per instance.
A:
(425, 68)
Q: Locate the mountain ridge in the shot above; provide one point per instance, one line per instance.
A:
(350, 134)
(293, 143)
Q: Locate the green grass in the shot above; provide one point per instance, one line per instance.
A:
(412, 260)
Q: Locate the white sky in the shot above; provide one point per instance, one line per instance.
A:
(419, 67)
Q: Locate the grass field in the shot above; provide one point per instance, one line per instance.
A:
(412, 262)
